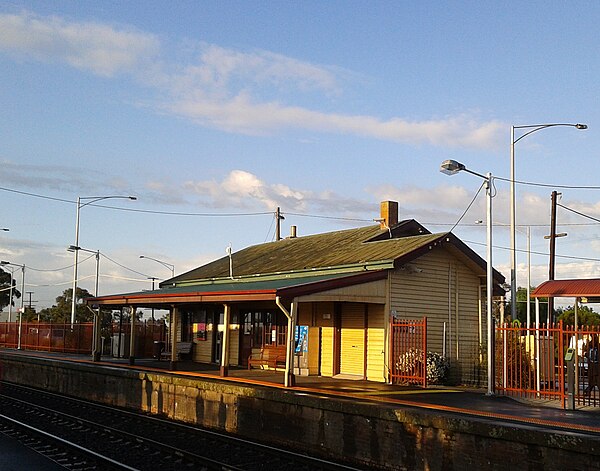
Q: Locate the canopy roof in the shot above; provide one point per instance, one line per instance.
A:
(239, 290)
(568, 288)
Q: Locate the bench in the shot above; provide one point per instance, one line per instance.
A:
(270, 356)
(182, 348)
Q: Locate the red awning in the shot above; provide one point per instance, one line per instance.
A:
(568, 288)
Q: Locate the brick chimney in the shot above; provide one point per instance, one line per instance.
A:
(389, 214)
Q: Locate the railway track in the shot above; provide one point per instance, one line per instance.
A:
(83, 435)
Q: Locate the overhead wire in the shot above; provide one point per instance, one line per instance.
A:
(533, 252)
(328, 217)
(550, 185)
(136, 210)
(271, 227)
(468, 207)
(578, 212)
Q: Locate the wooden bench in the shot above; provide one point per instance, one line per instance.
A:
(270, 356)
(182, 348)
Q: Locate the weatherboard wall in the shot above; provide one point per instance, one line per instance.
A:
(443, 289)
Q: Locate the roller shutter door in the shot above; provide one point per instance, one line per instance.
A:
(352, 351)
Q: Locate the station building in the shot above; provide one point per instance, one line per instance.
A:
(323, 304)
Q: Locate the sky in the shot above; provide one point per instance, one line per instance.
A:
(213, 114)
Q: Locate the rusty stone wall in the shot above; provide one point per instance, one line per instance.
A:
(378, 435)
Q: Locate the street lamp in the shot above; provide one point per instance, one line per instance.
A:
(92, 199)
(164, 264)
(513, 260)
(450, 167)
(96, 328)
(74, 248)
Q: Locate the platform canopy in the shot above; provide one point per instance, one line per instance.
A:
(580, 288)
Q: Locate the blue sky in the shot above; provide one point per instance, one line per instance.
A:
(218, 112)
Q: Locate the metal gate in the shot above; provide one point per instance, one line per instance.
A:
(408, 347)
(530, 362)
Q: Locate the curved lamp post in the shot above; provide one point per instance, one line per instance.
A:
(450, 167)
(164, 264)
(92, 199)
(513, 260)
(96, 329)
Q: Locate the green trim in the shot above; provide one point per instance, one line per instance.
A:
(292, 274)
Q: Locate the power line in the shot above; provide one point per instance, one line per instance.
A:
(326, 217)
(545, 254)
(550, 185)
(577, 212)
(34, 195)
(123, 266)
(134, 210)
(468, 207)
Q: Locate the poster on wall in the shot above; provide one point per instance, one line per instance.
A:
(301, 339)
(199, 330)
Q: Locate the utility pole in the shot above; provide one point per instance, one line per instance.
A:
(553, 235)
(30, 303)
(278, 218)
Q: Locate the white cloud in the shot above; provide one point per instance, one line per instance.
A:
(90, 46)
(241, 114)
(242, 189)
(253, 92)
(411, 196)
(219, 67)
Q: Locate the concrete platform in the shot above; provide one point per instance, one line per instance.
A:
(367, 423)
(458, 400)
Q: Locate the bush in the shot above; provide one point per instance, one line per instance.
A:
(411, 362)
(437, 368)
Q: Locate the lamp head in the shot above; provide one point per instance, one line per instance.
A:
(581, 126)
(4, 262)
(450, 167)
(72, 248)
(141, 256)
(133, 198)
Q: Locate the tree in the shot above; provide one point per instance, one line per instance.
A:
(5, 280)
(61, 311)
(585, 316)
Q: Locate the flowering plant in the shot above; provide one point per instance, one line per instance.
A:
(437, 368)
(411, 362)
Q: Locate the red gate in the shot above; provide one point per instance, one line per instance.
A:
(408, 347)
(530, 362)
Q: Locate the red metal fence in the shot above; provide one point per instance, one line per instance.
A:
(530, 362)
(51, 337)
(408, 347)
(77, 338)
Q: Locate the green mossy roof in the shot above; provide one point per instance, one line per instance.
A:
(332, 249)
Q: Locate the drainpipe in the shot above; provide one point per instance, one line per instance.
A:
(132, 337)
(173, 335)
(224, 369)
(289, 379)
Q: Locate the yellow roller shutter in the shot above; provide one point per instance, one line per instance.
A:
(352, 351)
